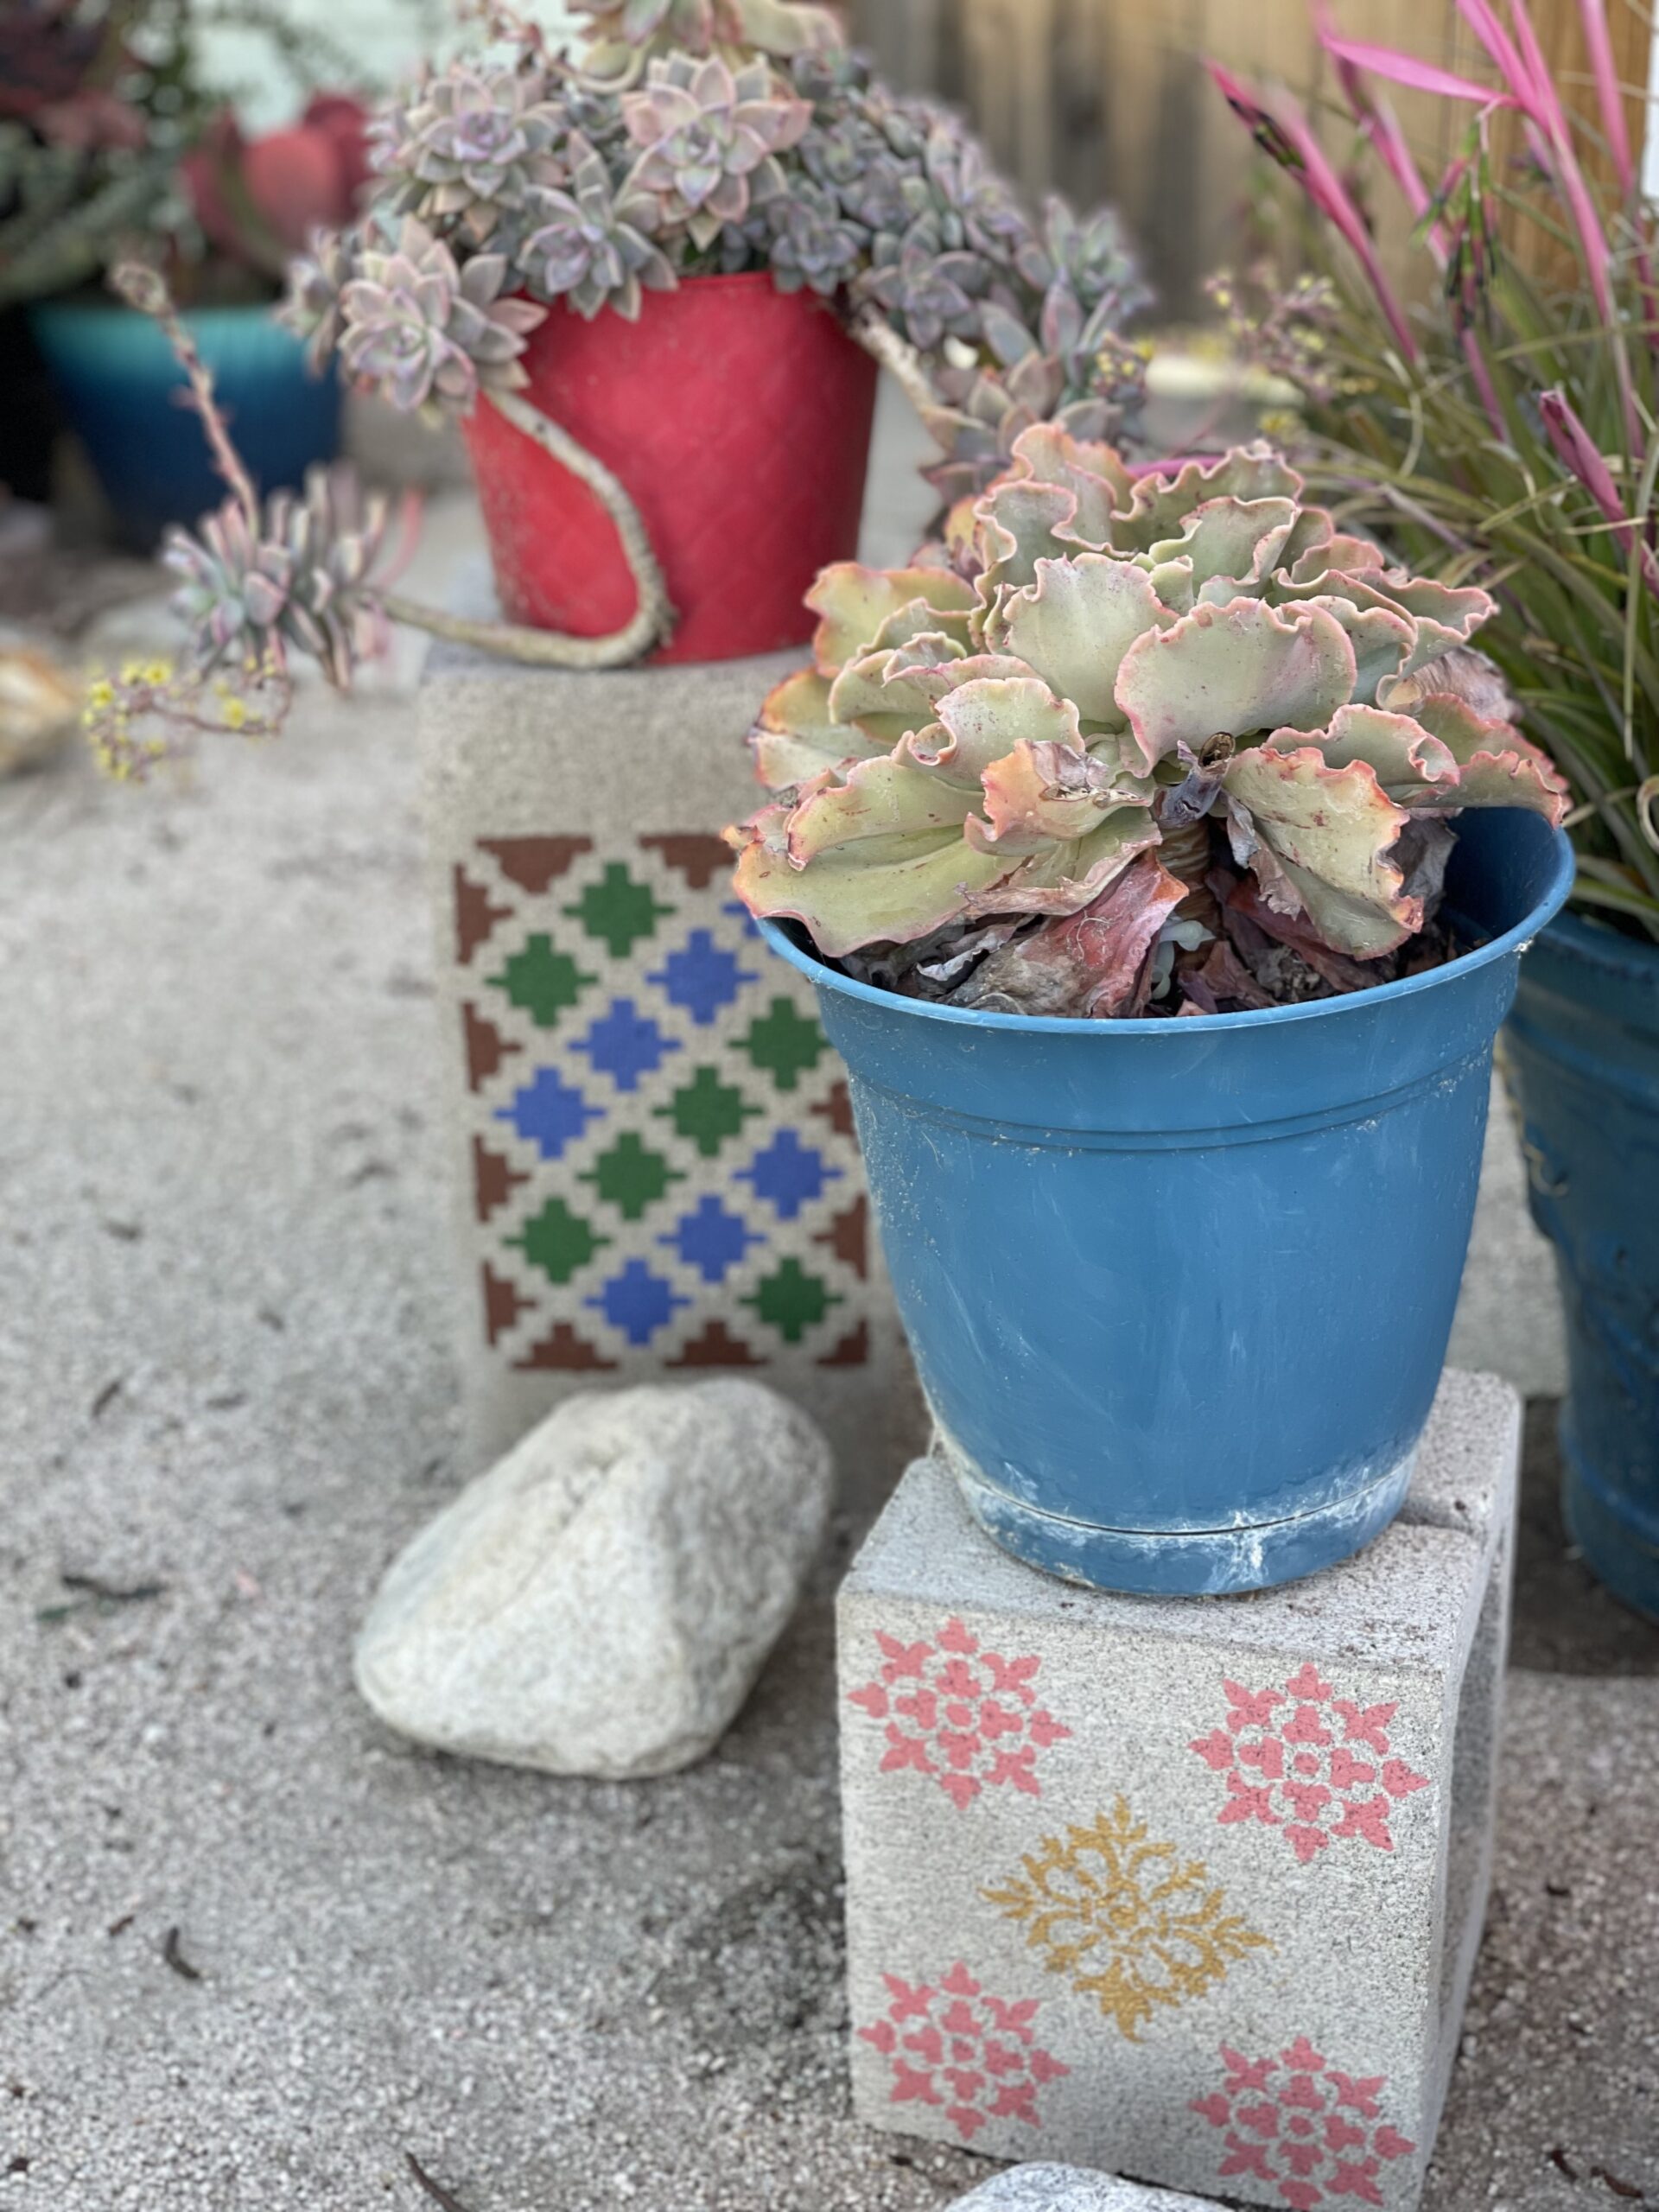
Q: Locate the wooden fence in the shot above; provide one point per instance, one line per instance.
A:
(1108, 99)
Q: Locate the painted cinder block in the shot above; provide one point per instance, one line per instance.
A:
(1188, 1889)
(654, 1167)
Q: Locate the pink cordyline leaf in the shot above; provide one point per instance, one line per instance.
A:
(1482, 19)
(1593, 14)
(1578, 451)
(1279, 121)
(1483, 384)
(1381, 126)
(1552, 120)
(1407, 69)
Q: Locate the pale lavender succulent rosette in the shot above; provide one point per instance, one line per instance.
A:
(300, 579)
(700, 137)
(687, 138)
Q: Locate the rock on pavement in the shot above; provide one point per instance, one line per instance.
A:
(1072, 2189)
(601, 1601)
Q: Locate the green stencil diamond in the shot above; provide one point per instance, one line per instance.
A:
(618, 911)
(706, 1111)
(787, 1043)
(541, 981)
(792, 1300)
(558, 1241)
(632, 1178)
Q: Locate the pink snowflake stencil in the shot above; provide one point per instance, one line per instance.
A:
(1306, 2129)
(972, 2056)
(968, 1718)
(1317, 1766)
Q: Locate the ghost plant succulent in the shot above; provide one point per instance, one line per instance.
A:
(428, 330)
(696, 138)
(1114, 738)
(689, 138)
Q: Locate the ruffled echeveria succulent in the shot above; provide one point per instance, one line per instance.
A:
(304, 578)
(588, 246)
(465, 151)
(427, 333)
(1179, 735)
(709, 139)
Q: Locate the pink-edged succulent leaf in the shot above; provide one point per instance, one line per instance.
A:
(996, 809)
(1073, 625)
(1442, 616)
(905, 684)
(984, 721)
(1413, 766)
(796, 736)
(1163, 502)
(1318, 839)
(892, 797)
(1017, 526)
(1495, 764)
(1058, 496)
(1385, 642)
(854, 602)
(1095, 963)
(917, 621)
(1093, 474)
(1045, 793)
(1234, 672)
(872, 856)
(1227, 549)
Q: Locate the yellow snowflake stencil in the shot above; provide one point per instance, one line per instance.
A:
(1124, 1919)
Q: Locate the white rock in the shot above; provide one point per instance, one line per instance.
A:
(601, 1601)
(1072, 2189)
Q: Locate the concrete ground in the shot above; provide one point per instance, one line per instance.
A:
(255, 1953)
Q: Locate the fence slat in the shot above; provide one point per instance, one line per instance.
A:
(1108, 99)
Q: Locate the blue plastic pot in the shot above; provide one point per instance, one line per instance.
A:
(120, 390)
(1180, 1292)
(1584, 1047)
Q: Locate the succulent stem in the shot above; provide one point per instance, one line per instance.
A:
(144, 288)
(879, 339)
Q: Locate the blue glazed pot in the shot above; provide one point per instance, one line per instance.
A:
(119, 388)
(1584, 1047)
(1180, 1292)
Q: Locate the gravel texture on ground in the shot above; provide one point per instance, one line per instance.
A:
(254, 1952)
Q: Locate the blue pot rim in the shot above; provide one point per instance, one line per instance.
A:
(1513, 941)
(1630, 959)
(114, 311)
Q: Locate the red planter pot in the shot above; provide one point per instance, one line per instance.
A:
(739, 418)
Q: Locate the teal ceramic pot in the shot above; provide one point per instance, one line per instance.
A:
(1584, 1047)
(121, 391)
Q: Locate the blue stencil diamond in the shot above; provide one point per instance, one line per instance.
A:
(740, 913)
(788, 1172)
(711, 1240)
(626, 1044)
(702, 976)
(637, 1302)
(549, 1113)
